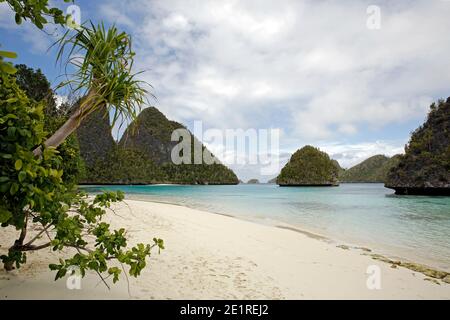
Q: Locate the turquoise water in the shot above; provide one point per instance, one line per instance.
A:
(411, 227)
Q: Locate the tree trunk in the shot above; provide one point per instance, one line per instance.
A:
(62, 133)
(68, 127)
(9, 266)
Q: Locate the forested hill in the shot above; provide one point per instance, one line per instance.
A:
(309, 167)
(373, 169)
(143, 155)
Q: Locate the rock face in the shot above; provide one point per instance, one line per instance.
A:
(143, 156)
(373, 170)
(94, 136)
(424, 169)
(309, 167)
(151, 133)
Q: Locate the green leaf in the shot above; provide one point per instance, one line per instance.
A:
(18, 18)
(14, 188)
(3, 179)
(8, 54)
(22, 176)
(5, 215)
(18, 164)
(7, 67)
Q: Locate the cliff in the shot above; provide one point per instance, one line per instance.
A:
(309, 167)
(94, 137)
(143, 155)
(151, 133)
(424, 169)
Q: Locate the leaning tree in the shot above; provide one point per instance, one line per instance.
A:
(34, 199)
(102, 64)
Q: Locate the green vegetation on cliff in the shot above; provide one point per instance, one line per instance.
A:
(143, 155)
(309, 166)
(425, 166)
(373, 169)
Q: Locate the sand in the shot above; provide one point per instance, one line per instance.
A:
(211, 256)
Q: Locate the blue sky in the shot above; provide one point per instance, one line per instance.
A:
(311, 68)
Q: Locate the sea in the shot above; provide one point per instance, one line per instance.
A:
(415, 228)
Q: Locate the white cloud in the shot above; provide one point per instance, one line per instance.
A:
(311, 68)
(349, 155)
(116, 15)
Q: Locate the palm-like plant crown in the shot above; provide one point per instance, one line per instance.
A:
(103, 61)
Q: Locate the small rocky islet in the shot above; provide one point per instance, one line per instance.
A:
(309, 167)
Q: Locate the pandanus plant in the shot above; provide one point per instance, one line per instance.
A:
(103, 77)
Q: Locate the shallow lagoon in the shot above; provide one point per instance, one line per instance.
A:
(412, 227)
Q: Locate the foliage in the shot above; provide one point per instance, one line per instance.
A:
(104, 76)
(124, 166)
(132, 166)
(7, 67)
(38, 89)
(33, 194)
(373, 169)
(212, 174)
(426, 162)
(37, 11)
(309, 166)
(143, 155)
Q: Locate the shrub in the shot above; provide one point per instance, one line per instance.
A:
(32, 192)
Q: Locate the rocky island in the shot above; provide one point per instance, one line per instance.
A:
(309, 167)
(424, 169)
(143, 154)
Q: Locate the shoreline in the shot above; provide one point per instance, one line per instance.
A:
(345, 245)
(211, 256)
(389, 252)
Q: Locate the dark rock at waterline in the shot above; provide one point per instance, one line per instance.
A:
(427, 191)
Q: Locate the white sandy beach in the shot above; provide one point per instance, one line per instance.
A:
(210, 256)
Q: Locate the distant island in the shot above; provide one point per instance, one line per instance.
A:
(143, 155)
(424, 169)
(309, 167)
(253, 181)
(372, 170)
(272, 181)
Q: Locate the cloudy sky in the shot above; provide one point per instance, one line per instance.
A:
(313, 69)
